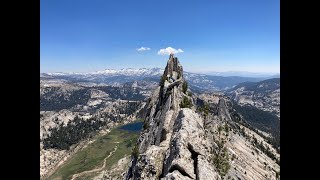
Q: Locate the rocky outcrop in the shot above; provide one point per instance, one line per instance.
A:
(223, 112)
(173, 145)
(245, 158)
(173, 69)
(202, 142)
(189, 148)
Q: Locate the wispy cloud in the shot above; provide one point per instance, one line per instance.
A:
(143, 49)
(169, 50)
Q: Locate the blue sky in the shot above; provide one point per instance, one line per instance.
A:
(214, 35)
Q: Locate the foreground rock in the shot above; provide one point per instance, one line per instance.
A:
(187, 136)
(174, 145)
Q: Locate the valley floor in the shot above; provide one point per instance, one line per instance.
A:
(99, 156)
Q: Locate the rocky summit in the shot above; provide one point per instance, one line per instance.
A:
(173, 144)
(191, 137)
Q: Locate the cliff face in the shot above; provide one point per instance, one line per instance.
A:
(184, 139)
(173, 143)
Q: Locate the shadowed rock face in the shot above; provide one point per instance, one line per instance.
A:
(174, 144)
(223, 110)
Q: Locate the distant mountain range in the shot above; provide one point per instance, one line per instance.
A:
(198, 82)
(264, 95)
(113, 72)
(244, 74)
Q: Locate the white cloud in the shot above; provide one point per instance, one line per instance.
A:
(169, 50)
(143, 49)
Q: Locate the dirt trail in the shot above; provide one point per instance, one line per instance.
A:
(97, 169)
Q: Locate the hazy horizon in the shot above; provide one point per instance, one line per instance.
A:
(216, 73)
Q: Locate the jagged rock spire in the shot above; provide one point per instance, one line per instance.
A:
(166, 148)
(173, 69)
